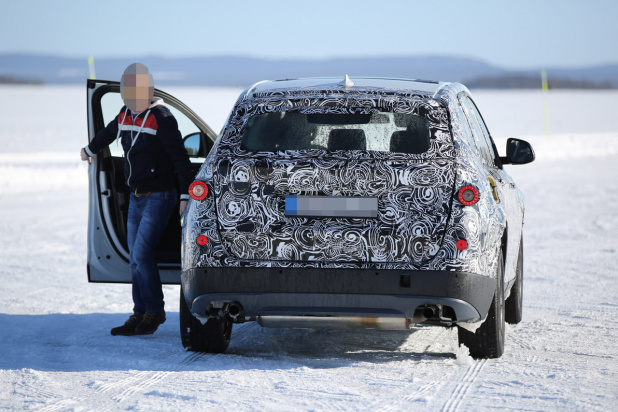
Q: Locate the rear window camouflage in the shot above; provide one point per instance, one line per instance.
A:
(293, 130)
(342, 125)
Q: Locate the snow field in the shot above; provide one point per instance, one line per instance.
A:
(57, 353)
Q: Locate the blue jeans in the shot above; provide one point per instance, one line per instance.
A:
(148, 217)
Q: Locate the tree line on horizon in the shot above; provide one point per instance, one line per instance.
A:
(483, 82)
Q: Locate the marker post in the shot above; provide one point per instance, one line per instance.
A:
(91, 67)
(545, 87)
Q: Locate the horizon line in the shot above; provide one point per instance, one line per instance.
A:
(300, 58)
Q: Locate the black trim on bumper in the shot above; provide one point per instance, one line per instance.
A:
(327, 291)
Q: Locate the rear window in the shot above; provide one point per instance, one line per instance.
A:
(380, 131)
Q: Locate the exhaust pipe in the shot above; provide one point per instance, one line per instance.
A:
(234, 310)
(223, 309)
(422, 313)
(334, 322)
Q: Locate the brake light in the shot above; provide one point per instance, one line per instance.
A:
(468, 195)
(198, 190)
(202, 240)
(461, 245)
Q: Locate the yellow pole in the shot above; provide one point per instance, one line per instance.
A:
(91, 67)
(545, 86)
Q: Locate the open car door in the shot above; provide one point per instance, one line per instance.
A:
(108, 254)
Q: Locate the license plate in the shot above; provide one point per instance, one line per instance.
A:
(331, 206)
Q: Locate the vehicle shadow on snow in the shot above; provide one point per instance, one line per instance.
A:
(82, 342)
(322, 346)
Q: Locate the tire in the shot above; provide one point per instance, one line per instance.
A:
(514, 304)
(488, 340)
(211, 337)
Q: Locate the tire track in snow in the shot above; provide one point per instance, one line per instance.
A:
(144, 380)
(132, 385)
(123, 382)
(425, 338)
(149, 380)
(134, 378)
(521, 342)
(424, 390)
(461, 390)
(64, 404)
(432, 387)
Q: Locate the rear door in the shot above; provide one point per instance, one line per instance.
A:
(108, 255)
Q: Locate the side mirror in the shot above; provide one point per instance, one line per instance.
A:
(518, 152)
(193, 145)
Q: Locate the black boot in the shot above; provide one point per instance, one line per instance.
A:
(150, 323)
(128, 329)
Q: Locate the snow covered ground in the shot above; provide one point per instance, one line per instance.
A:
(56, 352)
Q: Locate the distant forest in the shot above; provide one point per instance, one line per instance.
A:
(532, 82)
(17, 80)
(485, 82)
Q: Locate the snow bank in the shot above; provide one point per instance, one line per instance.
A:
(22, 173)
(568, 146)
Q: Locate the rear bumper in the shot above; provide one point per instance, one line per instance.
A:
(337, 292)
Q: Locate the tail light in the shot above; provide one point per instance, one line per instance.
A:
(198, 190)
(461, 245)
(468, 195)
(202, 240)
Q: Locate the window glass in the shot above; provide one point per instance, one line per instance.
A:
(111, 103)
(458, 113)
(481, 122)
(477, 132)
(385, 132)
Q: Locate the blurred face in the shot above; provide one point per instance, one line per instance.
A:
(137, 93)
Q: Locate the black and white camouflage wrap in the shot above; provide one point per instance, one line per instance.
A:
(419, 217)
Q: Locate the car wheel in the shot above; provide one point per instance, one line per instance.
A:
(514, 304)
(488, 340)
(211, 337)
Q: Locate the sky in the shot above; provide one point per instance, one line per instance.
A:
(510, 34)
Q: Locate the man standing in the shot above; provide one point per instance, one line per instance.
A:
(156, 163)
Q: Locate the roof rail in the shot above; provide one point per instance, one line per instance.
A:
(250, 89)
(442, 86)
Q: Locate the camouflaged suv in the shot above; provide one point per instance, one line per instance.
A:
(354, 203)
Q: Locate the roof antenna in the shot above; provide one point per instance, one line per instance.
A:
(346, 82)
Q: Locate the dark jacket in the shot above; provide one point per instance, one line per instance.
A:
(155, 156)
